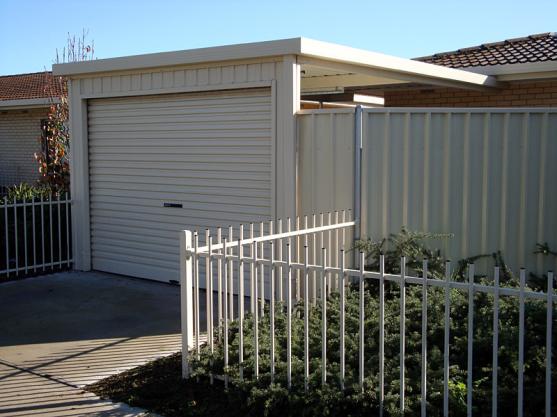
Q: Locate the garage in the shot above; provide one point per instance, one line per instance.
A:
(202, 138)
(163, 163)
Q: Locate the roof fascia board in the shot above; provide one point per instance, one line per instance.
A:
(528, 76)
(384, 64)
(192, 56)
(511, 69)
(374, 60)
(27, 103)
(181, 67)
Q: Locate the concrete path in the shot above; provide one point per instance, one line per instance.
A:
(61, 332)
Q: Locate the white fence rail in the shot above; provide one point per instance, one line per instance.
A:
(286, 260)
(227, 280)
(35, 236)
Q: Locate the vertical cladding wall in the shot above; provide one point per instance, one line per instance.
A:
(278, 75)
(487, 176)
(20, 131)
(198, 77)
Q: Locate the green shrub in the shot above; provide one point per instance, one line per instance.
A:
(274, 399)
(25, 191)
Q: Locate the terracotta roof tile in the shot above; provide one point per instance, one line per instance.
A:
(29, 86)
(533, 48)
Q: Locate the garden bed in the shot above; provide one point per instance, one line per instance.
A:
(159, 388)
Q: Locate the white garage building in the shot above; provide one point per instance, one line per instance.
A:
(197, 138)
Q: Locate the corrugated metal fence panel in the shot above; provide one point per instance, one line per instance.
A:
(325, 173)
(488, 177)
(326, 161)
(210, 152)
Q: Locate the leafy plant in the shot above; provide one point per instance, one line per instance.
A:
(543, 249)
(25, 191)
(264, 397)
(408, 244)
(53, 159)
(540, 281)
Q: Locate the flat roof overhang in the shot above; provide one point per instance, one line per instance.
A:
(325, 65)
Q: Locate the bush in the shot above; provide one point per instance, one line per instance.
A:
(27, 192)
(273, 399)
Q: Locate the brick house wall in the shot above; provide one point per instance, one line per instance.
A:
(20, 131)
(533, 93)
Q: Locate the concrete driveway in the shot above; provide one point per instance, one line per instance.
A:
(61, 332)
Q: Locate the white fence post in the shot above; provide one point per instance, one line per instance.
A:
(289, 316)
(469, 376)
(381, 333)
(306, 319)
(186, 299)
(324, 320)
(521, 314)
(446, 339)
(548, 344)
(341, 319)
(495, 360)
(402, 332)
(424, 341)
(361, 317)
(272, 310)
(7, 239)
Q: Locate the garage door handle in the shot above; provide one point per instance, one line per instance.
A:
(174, 205)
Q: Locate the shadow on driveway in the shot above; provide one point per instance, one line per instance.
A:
(64, 331)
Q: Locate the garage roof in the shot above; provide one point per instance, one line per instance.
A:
(327, 54)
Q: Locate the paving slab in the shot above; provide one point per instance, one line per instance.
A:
(63, 331)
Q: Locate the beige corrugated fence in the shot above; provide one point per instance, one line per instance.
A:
(489, 176)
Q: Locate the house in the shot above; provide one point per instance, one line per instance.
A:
(24, 103)
(525, 67)
(193, 139)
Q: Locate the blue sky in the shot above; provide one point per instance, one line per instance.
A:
(30, 31)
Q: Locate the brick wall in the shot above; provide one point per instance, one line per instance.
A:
(514, 94)
(19, 140)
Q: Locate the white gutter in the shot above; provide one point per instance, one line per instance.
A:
(512, 69)
(27, 103)
(369, 100)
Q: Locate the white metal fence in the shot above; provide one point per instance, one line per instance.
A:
(287, 261)
(247, 276)
(35, 236)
